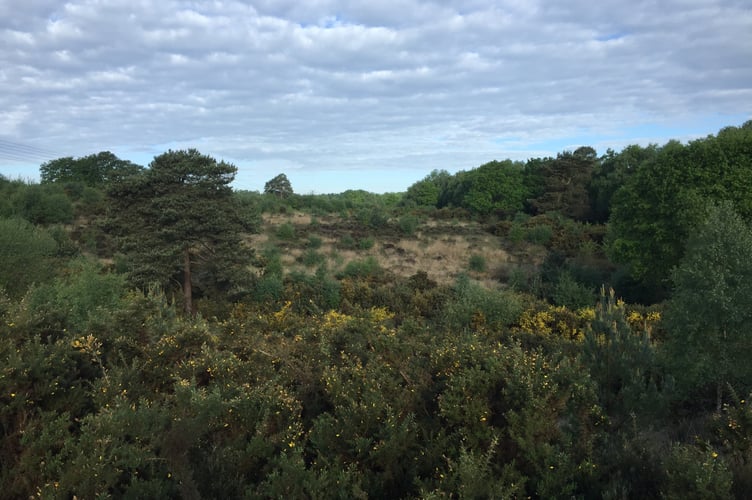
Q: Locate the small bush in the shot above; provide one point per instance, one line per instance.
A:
(474, 306)
(477, 263)
(366, 243)
(373, 217)
(268, 288)
(570, 293)
(314, 242)
(408, 224)
(540, 235)
(312, 258)
(362, 268)
(286, 231)
(347, 242)
(696, 473)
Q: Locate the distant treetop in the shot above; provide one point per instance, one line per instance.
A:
(95, 170)
(279, 186)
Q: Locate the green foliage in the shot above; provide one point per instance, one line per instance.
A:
(314, 242)
(366, 243)
(368, 267)
(538, 230)
(373, 217)
(473, 307)
(27, 256)
(366, 384)
(477, 263)
(347, 241)
(611, 173)
(495, 187)
(622, 362)
(286, 231)
(710, 311)
(94, 170)
(179, 222)
(564, 183)
(42, 204)
(663, 201)
(540, 234)
(696, 473)
(408, 224)
(733, 426)
(426, 192)
(312, 258)
(279, 186)
(570, 293)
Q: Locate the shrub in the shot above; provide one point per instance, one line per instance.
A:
(314, 242)
(27, 255)
(347, 242)
(312, 258)
(374, 217)
(286, 231)
(366, 243)
(540, 234)
(408, 224)
(477, 263)
(474, 307)
(268, 288)
(569, 293)
(367, 267)
(695, 473)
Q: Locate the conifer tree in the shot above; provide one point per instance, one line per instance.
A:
(178, 224)
(279, 186)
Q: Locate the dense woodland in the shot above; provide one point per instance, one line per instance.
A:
(166, 336)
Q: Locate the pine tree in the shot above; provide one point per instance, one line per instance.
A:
(279, 186)
(178, 223)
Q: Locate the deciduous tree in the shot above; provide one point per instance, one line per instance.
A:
(663, 201)
(709, 314)
(93, 170)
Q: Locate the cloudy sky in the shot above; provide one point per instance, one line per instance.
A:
(370, 94)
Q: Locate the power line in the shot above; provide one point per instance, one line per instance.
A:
(16, 151)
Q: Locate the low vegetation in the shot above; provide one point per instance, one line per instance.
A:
(564, 327)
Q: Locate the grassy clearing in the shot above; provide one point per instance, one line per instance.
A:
(441, 248)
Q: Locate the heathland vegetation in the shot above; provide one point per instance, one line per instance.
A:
(565, 327)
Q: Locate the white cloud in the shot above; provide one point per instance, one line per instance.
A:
(403, 85)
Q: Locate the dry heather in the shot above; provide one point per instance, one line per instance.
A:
(440, 248)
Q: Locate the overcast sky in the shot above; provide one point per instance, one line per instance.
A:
(370, 94)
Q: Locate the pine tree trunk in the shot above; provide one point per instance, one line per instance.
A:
(187, 287)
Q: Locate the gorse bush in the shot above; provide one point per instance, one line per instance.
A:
(473, 306)
(330, 376)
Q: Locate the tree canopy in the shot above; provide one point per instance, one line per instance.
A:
(565, 182)
(711, 307)
(95, 170)
(662, 202)
(178, 222)
(279, 186)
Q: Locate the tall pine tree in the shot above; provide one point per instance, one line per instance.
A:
(180, 227)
